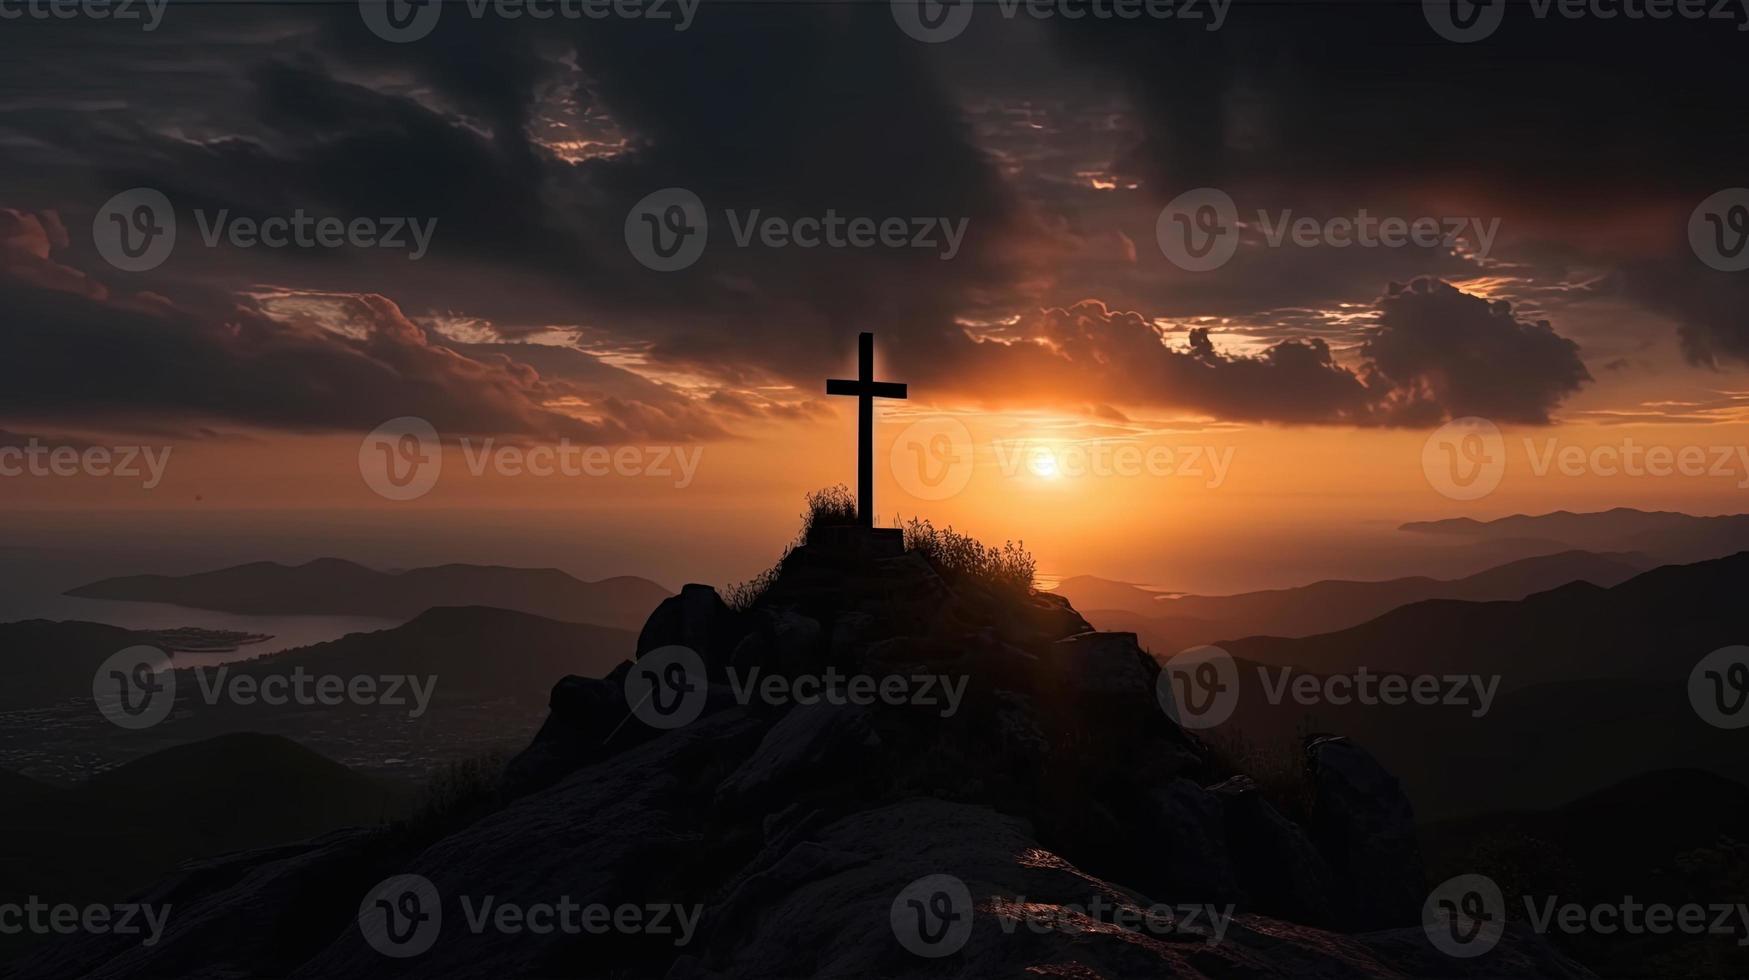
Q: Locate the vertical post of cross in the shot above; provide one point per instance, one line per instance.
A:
(866, 390)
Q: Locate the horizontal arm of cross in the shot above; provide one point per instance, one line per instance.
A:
(876, 389)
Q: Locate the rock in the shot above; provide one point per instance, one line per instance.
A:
(1184, 843)
(1040, 617)
(1103, 663)
(257, 913)
(813, 739)
(696, 618)
(1363, 825)
(582, 713)
(832, 907)
(1280, 871)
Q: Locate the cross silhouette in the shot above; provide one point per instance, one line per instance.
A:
(866, 389)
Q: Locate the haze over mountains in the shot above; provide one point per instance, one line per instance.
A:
(1168, 624)
(335, 586)
(1662, 536)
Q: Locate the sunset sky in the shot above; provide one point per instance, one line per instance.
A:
(1300, 382)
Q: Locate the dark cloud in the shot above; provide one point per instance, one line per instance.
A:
(1439, 353)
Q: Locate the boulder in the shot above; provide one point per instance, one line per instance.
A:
(1363, 824)
(1280, 871)
(1184, 840)
(1099, 663)
(697, 618)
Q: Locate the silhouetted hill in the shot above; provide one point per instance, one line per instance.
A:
(42, 662)
(1665, 536)
(475, 652)
(1660, 837)
(1009, 748)
(1656, 624)
(330, 585)
(106, 838)
(1173, 624)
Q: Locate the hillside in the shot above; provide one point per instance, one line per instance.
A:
(1005, 766)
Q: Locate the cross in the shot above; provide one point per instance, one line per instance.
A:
(866, 390)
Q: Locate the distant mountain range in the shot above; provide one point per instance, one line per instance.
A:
(488, 673)
(1167, 624)
(1654, 625)
(338, 587)
(1592, 687)
(1664, 536)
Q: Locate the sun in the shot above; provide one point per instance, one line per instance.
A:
(1044, 465)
